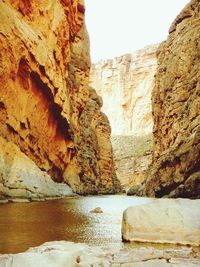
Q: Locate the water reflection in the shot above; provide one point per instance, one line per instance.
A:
(23, 225)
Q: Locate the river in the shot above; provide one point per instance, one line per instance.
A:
(24, 225)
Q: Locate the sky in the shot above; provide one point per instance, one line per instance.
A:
(117, 27)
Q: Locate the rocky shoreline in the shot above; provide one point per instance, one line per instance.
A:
(173, 240)
(62, 254)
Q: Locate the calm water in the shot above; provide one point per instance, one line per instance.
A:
(24, 225)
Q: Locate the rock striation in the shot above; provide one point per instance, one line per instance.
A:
(46, 106)
(176, 110)
(125, 85)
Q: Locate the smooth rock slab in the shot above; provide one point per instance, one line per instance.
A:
(69, 254)
(174, 221)
(56, 254)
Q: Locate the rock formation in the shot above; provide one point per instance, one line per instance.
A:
(132, 157)
(46, 107)
(125, 84)
(58, 253)
(21, 178)
(176, 110)
(175, 221)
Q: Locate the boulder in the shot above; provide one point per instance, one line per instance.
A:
(174, 221)
(97, 210)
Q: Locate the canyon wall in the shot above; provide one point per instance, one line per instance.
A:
(176, 110)
(125, 85)
(46, 106)
(132, 156)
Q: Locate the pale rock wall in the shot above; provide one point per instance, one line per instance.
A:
(21, 178)
(176, 110)
(44, 70)
(125, 85)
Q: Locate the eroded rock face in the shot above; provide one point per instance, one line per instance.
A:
(176, 109)
(21, 178)
(132, 156)
(125, 84)
(44, 98)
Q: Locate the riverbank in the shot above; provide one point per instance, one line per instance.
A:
(62, 254)
(93, 238)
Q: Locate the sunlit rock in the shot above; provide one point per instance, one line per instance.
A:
(46, 106)
(125, 85)
(68, 254)
(174, 221)
(57, 254)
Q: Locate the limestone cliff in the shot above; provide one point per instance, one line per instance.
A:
(132, 157)
(176, 110)
(125, 84)
(46, 107)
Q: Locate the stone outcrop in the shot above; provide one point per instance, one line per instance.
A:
(125, 84)
(132, 156)
(175, 221)
(46, 107)
(176, 110)
(58, 254)
(20, 177)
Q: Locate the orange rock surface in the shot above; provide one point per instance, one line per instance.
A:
(44, 97)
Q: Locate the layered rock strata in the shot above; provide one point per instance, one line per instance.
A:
(176, 110)
(125, 84)
(46, 107)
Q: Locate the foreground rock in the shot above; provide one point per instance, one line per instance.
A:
(56, 254)
(125, 85)
(46, 105)
(176, 109)
(20, 177)
(68, 254)
(163, 221)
